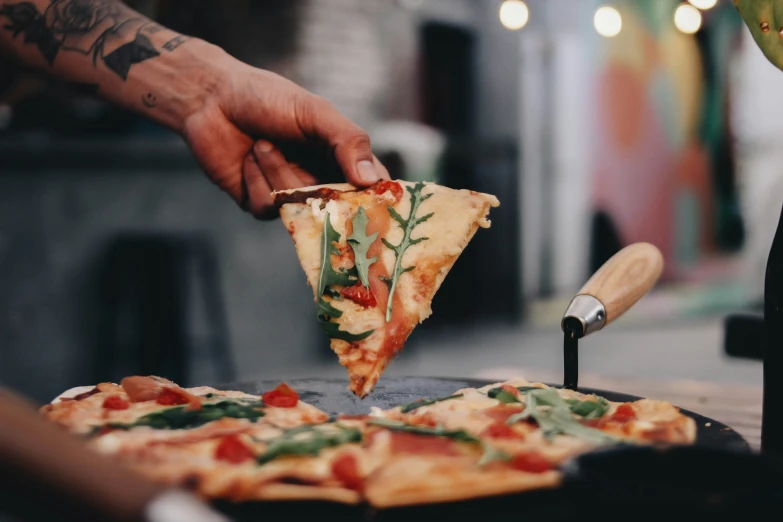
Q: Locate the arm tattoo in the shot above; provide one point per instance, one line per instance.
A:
(149, 100)
(105, 30)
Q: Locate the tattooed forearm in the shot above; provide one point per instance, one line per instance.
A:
(105, 30)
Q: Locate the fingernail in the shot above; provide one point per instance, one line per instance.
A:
(367, 172)
(264, 146)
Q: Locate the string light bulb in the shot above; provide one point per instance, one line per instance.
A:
(703, 4)
(687, 18)
(514, 14)
(608, 21)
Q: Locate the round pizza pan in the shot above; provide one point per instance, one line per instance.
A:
(621, 477)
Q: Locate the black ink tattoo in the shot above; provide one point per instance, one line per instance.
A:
(121, 59)
(152, 28)
(175, 42)
(104, 29)
(149, 100)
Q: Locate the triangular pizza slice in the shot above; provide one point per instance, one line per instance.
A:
(375, 258)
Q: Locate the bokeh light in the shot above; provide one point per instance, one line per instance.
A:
(687, 18)
(607, 21)
(514, 14)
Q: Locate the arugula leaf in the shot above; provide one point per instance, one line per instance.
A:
(553, 415)
(308, 441)
(328, 277)
(180, 418)
(589, 409)
(438, 431)
(502, 395)
(399, 250)
(406, 408)
(494, 392)
(491, 454)
(360, 243)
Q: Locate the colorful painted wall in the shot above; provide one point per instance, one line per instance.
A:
(661, 132)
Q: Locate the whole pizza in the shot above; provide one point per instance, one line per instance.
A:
(503, 438)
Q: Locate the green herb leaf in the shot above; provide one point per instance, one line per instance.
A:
(328, 277)
(426, 402)
(180, 418)
(492, 454)
(407, 227)
(553, 415)
(438, 431)
(503, 396)
(360, 243)
(589, 409)
(308, 441)
(493, 392)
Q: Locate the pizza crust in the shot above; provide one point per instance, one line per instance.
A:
(412, 480)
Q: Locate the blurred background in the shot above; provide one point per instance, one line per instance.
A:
(596, 124)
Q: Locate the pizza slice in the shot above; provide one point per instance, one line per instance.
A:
(558, 424)
(375, 259)
(148, 409)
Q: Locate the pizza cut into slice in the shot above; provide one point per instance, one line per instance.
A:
(148, 409)
(559, 424)
(375, 259)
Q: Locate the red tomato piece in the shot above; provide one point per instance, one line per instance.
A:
(387, 186)
(172, 397)
(281, 397)
(510, 389)
(115, 402)
(502, 413)
(359, 295)
(530, 462)
(346, 470)
(499, 430)
(233, 450)
(624, 413)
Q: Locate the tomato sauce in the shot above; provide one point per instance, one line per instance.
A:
(415, 444)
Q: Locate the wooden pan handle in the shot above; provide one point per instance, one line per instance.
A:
(625, 278)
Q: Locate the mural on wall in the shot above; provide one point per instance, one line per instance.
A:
(661, 132)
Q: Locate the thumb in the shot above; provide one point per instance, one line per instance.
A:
(349, 142)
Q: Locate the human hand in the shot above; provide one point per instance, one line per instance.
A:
(256, 132)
